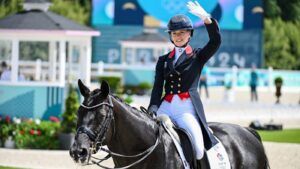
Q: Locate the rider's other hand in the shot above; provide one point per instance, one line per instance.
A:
(153, 109)
(196, 9)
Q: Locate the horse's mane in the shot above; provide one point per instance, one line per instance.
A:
(132, 109)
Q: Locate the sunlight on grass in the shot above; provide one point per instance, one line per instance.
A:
(283, 136)
(2, 167)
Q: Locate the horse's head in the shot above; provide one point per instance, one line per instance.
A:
(94, 117)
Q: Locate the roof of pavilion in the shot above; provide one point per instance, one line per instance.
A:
(148, 36)
(40, 20)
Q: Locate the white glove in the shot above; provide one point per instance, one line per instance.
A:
(196, 9)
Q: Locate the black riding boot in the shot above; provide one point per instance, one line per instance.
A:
(203, 163)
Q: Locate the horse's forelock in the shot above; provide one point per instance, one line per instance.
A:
(95, 92)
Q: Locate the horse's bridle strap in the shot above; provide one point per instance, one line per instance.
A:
(95, 137)
(146, 152)
(98, 105)
(86, 131)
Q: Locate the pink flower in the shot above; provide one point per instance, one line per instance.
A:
(32, 132)
(7, 119)
(54, 119)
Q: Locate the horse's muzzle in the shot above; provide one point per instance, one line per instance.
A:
(80, 152)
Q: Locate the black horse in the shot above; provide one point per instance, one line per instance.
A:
(141, 143)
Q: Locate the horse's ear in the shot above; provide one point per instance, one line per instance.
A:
(83, 89)
(104, 88)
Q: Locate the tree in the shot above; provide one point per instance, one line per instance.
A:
(271, 9)
(277, 45)
(293, 34)
(8, 7)
(73, 9)
(68, 124)
(286, 10)
(290, 10)
(77, 10)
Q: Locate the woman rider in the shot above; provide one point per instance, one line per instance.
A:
(178, 73)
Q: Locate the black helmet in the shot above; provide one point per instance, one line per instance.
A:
(178, 22)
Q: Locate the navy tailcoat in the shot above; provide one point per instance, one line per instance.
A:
(184, 77)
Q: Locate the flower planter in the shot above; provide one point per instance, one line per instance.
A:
(9, 143)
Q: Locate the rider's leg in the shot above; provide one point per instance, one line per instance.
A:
(183, 114)
(189, 122)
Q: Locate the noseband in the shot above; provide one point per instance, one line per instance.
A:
(98, 138)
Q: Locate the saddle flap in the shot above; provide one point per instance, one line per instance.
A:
(187, 146)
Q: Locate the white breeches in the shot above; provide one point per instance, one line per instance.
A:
(183, 114)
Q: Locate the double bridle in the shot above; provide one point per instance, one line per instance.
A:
(98, 139)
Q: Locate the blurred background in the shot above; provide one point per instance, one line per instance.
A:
(47, 45)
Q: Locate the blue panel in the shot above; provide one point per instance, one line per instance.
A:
(163, 10)
(253, 14)
(135, 77)
(128, 12)
(107, 46)
(230, 13)
(31, 101)
(19, 106)
(103, 12)
(241, 48)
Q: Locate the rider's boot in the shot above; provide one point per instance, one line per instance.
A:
(203, 163)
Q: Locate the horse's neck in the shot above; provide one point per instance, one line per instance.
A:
(132, 130)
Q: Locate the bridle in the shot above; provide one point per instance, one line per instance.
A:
(98, 139)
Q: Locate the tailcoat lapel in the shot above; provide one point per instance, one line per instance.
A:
(186, 55)
(181, 58)
(170, 59)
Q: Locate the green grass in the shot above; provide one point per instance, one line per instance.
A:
(2, 167)
(282, 136)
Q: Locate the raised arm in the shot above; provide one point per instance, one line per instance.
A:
(212, 28)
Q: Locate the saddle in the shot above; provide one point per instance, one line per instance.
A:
(184, 146)
(189, 150)
(214, 158)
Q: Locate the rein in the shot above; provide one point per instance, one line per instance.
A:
(98, 139)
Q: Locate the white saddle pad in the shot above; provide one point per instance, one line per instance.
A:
(218, 157)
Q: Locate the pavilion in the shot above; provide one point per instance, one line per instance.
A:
(37, 24)
(41, 93)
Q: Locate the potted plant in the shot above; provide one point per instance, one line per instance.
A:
(7, 132)
(114, 83)
(144, 87)
(37, 134)
(69, 119)
(278, 84)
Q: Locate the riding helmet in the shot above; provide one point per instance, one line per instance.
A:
(180, 21)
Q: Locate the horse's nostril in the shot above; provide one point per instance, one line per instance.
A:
(83, 153)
